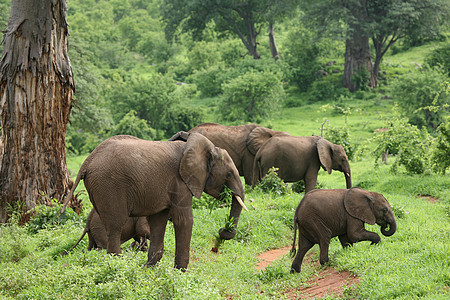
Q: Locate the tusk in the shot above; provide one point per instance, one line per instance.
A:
(241, 202)
(347, 174)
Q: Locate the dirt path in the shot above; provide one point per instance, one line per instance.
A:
(328, 282)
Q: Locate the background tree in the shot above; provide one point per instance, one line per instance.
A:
(244, 18)
(382, 21)
(36, 88)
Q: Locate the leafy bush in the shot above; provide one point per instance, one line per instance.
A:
(47, 216)
(302, 55)
(209, 81)
(327, 89)
(409, 144)
(271, 183)
(440, 57)
(252, 97)
(341, 136)
(440, 158)
(417, 90)
(182, 118)
(132, 125)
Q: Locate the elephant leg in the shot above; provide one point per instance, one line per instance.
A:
(310, 180)
(114, 232)
(158, 223)
(183, 222)
(324, 244)
(303, 246)
(357, 233)
(345, 241)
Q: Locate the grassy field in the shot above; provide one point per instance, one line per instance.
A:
(412, 264)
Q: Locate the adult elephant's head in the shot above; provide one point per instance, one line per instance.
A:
(206, 168)
(333, 157)
(371, 208)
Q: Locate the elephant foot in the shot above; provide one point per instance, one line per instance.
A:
(226, 235)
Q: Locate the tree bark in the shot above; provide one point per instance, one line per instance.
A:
(36, 85)
(273, 44)
(357, 50)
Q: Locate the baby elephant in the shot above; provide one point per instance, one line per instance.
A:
(324, 214)
(135, 227)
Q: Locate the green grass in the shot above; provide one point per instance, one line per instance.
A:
(414, 263)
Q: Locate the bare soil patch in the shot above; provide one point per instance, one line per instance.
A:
(328, 282)
(429, 198)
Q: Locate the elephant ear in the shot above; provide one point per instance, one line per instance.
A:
(357, 203)
(325, 151)
(180, 136)
(194, 163)
(258, 136)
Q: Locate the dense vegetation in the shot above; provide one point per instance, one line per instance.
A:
(132, 80)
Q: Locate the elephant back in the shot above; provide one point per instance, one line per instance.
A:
(258, 136)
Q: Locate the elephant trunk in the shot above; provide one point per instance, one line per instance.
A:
(348, 179)
(392, 228)
(236, 208)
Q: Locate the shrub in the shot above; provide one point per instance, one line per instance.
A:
(341, 136)
(271, 183)
(209, 81)
(182, 118)
(417, 90)
(328, 89)
(252, 97)
(47, 216)
(409, 144)
(302, 55)
(132, 125)
(440, 57)
(440, 158)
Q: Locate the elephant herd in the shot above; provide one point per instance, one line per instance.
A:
(136, 186)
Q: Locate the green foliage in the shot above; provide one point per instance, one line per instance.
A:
(132, 125)
(361, 79)
(327, 89)
(302, 54)
(271, 183)
(440, 57)
(182, 118)
(441, 153)
(48, 216)
(252, 97)
(410, 145)
(417, 90)
(341, 136)
(152, 99)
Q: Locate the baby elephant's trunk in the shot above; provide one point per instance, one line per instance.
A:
(392, 228)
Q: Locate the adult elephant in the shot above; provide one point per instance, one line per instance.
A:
(300, 157)
(242, 143)
(129, 177)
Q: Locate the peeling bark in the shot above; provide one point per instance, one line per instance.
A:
(36, 85)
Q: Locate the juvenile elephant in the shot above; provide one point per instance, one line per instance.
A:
(324, 214)
(300, 157)
(242, 142)
(126, 176)
(136, 228)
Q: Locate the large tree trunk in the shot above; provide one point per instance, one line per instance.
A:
(36, 96)
(273, 44)
(357, 51)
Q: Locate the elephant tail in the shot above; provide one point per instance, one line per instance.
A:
(293, 250)
(69, 197)
(65, 252)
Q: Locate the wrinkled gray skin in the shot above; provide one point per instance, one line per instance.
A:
(324, 214)
(129, 177)
(300, 157)
(242, 142)
(136, 228)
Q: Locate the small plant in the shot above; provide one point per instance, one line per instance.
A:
(211, 203)
(440, 158)
(299, 186)
(271, 183)
(48, 215)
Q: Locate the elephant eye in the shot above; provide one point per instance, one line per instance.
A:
(385, 209)
(229, 174)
